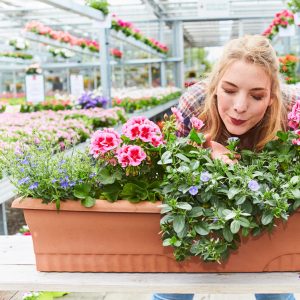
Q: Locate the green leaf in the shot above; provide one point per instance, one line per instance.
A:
(178, 223)
(283, 135)
(195, 164)
(196, 212)
(244, 222)
(106, 177)
(183, 169)
(165, 208)
(228, 236)
(50, 295)
(182, 157)
(202, 228)
(240, 200)
(295, 179)
(231, 215)
(296, 193)
(184, 205)
(267, 218)
(111, 192)
(232, 192)
(235, 226)
(88, 201)
(166, 155)
(134, 192)
(82, 191)
(167, 242)
(296, 204)
(193, 136)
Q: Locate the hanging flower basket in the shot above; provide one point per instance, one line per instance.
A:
(124, 237)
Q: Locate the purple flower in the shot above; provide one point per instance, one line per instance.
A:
(253, 185)
(24, 180)
(34, 186)
(193, 190)
(89, 100)
(215, 219)
(64, 183)
(205, 176)
(53, 180)
(92, 175)
(25, 161)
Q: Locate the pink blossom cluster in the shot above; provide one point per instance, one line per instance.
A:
(107, 144)
(64, 37)
(136, 33)
(130, 155)
(143, 129)
(103, 141)
(282, 19)
(53, 126)
(294, 121)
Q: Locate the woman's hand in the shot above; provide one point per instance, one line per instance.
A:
(218, 151)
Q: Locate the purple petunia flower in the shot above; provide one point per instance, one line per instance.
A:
(205, 176)
(193, 190)
(34, 186)
(24, 180)
(253, 185)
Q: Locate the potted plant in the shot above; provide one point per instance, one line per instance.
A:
(213, 213)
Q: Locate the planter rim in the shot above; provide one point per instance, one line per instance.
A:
(101, 205)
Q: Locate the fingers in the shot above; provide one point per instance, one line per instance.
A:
(208, 141)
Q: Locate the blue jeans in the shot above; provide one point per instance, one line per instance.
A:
(191, 296)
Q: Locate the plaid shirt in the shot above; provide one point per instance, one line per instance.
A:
(191, 101)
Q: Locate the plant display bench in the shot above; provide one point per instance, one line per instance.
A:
(18, 272)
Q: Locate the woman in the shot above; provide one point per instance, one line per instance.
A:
(242, 99)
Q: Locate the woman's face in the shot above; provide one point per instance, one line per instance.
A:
(243, 96)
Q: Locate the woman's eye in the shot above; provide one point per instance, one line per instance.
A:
(229, 91)
(257, 97)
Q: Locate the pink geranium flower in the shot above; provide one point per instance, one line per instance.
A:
(130, 155)
(103, 141)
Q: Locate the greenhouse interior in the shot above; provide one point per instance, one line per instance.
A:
(178, 121)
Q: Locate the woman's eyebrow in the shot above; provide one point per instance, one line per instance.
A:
(254, 89)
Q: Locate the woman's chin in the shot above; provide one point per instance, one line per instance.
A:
(236, 130)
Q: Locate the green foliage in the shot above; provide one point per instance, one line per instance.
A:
(101, 5)
(294, 5)
(131, 105)
(209, 205)
(43, 295)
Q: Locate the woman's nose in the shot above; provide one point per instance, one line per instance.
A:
(240, 104)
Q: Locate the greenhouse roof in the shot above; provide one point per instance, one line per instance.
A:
(206, 22)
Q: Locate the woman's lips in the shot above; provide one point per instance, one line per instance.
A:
(237, 122)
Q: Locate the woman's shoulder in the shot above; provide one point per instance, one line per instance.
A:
(290, 94)
(191, 101)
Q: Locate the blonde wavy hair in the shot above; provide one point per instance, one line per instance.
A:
(255, 50)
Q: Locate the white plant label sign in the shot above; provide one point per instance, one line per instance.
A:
(35, 90)
(77, 87)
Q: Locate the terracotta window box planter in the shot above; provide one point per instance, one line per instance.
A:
(124, 237)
